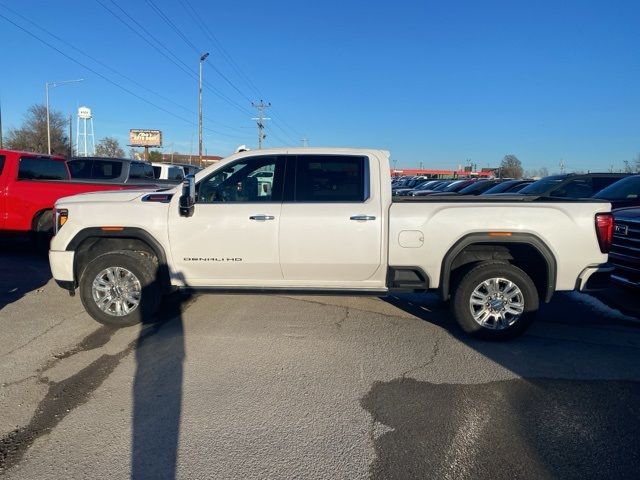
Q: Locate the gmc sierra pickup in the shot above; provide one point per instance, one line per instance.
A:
(323, 220)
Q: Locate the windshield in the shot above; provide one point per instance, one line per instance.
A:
(455, 186)
(626, 188)
(477, 187)
(428, 185)
(542, 186)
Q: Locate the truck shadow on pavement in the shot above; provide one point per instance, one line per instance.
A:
(23, 268)
(157, 390)
(570, 412)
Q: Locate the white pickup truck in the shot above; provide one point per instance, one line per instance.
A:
(315, 220)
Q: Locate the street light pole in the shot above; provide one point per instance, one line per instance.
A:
(46, 96)
(203, 57)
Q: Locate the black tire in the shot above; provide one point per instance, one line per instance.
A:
(142, 267)
(472, 278)
(42, 230)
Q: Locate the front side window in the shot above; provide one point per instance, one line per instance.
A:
(257, 179)
(1, 163)
(330, 178)
(42, 169)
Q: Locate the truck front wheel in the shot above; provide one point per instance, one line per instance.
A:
(120, 288)
(495, 301)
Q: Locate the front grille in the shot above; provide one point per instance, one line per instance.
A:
(625, 253)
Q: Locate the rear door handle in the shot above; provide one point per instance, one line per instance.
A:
(261, 218)
(362, 218)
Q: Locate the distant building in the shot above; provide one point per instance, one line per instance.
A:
(190, 159)
(431, 173)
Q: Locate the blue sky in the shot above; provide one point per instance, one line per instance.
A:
(434, 82)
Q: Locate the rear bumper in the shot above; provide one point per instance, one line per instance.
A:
(595, 278)
(61, 263)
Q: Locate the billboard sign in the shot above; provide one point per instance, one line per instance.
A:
(145, 138)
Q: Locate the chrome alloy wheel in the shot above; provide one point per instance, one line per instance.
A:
(116, 291)
(496, 303)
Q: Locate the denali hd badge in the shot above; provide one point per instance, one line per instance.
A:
(621, 230)
(211, 259)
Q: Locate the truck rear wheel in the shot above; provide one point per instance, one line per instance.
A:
(495, 301)
(120, 288)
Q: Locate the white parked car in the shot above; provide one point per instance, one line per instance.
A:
(167, 171)
(327, 222)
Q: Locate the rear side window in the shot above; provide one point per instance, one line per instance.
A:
(106, 170)
(80, 168)
(140, 170)
(42, 169)
(603, 182)
(576, 188)
(330, 178)
(175, 173)
(157, 171)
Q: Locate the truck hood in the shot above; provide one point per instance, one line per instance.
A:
(108, 196)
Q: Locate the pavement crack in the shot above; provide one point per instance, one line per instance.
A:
(434, 354)
(343, 319)
(17, 382)
(33, 339)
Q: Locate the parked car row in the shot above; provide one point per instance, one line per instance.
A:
(31, 183)
(621, 190)
(124, 170)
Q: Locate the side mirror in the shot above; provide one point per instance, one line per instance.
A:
(188, 198)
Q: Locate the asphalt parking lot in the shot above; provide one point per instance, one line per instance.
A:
(247, 386)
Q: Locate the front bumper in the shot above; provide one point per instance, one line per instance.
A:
(595, 278)
(61, 263)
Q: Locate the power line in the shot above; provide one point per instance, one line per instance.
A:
(112, 69)
(169, 54)
(107, 79)
(277, 125)
(261, 107)
(220, 48)
(193, 47)
(276, 136)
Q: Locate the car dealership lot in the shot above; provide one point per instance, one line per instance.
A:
(252, 386)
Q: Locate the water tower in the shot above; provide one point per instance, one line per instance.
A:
(85, 146)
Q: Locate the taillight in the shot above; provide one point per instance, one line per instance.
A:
(604, 231)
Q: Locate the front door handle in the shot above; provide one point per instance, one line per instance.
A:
(362, 218)
(261, 218)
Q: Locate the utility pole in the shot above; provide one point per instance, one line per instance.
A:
(260, 120)
(71, 136)
(562, 165)
(203, 57)
(1, 144)
(46, 96)
(305, 141)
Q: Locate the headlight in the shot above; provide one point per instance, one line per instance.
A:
(61, 218)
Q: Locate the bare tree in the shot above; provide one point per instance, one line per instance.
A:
(32, 135)
(511, 167)
(155, 156)
(637, 162)
(543, 172)
(109, 147)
